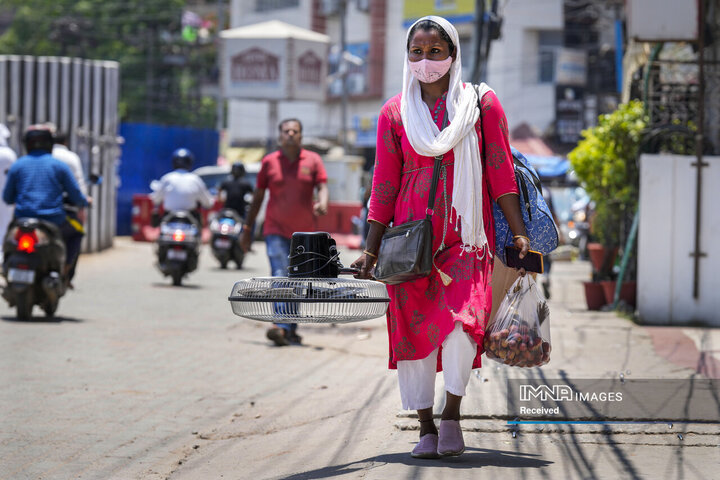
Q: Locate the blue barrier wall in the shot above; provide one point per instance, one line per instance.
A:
(146, 156)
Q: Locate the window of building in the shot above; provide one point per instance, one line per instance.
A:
(546, 66)
(548, 44)
(267, 5)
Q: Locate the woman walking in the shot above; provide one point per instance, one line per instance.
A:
(437, 323)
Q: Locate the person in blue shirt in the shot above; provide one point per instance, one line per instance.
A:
(36, 183)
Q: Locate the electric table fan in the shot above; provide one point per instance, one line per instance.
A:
(312, 291)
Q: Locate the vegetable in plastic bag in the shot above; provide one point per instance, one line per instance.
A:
(519, 335)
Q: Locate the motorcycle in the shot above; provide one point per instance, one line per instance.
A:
(225, 230)
(33, 264)
(178, 246)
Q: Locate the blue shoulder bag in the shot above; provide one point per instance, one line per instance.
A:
(539, 224)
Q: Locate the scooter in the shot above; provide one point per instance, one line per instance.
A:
(225, 230)
(178, 246)
(33, 264)
(579, 227)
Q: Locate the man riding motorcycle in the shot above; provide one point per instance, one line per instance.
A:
(226, 224)
(234, 190)
(36, 183)
(181, 189)
(180, 192)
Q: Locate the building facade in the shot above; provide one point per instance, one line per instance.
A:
(524, 64)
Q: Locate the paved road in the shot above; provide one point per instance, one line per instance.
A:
(134, 368)
(138, 379)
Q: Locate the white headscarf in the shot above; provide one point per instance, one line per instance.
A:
(427, 139)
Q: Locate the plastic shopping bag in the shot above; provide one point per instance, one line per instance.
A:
(519, 335)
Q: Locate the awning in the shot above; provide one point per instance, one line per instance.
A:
(549, 166)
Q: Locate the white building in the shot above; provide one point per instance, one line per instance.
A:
(521, 65)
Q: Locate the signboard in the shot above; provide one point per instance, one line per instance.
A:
(571, 67)
(365, 129)
(455, 11)
(274, 61)
(308, 71)
(254, 65)
(255, 69)
(569, 113)
(662, 20)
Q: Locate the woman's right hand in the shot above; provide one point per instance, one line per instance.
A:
(365, 264)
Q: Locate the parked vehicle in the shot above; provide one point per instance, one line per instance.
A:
(34, 260)
(178, 245)
(225, 230)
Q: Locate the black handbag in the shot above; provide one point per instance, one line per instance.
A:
(406, 250)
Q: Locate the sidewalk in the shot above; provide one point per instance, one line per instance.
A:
(596, 345)
(349, 426)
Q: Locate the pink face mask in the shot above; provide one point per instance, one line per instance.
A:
(429, 71)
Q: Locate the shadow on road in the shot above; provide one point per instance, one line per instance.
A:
(42, 319)
(227, 270)
(267, 343)
(472, 458)
(188, 286)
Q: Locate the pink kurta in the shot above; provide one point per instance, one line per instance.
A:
(423, 312)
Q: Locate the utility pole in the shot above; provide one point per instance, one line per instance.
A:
(342, 68)
(479, 36)
(492, 32)
(487, 27)
(699, 144)
(220, 100)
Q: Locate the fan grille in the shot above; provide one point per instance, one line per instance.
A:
(308, 300)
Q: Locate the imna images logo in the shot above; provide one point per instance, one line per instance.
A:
(616, 400)
(544, 393)
(561, 392)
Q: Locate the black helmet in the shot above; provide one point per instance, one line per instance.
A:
(237, 170)
(38, 137)
(182, 158)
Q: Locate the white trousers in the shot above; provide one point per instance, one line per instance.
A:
(417, 377)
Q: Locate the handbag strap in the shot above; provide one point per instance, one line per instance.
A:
(436, 174)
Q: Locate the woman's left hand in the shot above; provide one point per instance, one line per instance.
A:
(365, 264)
(522, 244)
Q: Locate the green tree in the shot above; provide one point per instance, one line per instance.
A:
(605, 161)
(161, 73)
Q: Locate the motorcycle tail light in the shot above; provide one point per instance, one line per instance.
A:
(26, 241)
(179, 236)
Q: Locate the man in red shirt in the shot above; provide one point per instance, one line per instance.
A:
(291, 174)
